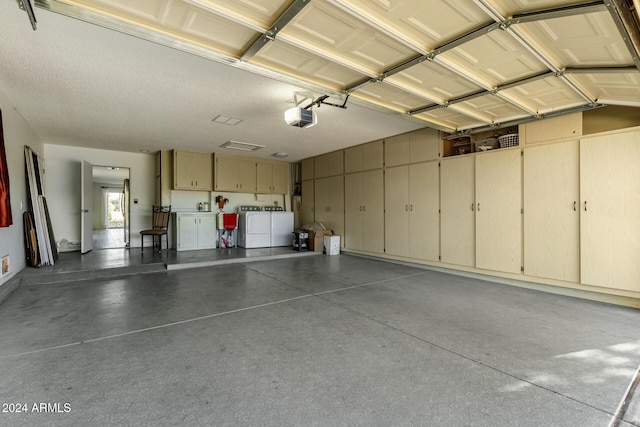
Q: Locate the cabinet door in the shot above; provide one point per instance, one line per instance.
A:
(280, 178)
(321, 200)
(202, 170)
(226, 170)
(396, 150)
(206, 231)
(424, 216)
(551, 217)
(330, 164)
(264, 176)
(566, 126)
(364, 157)
(372, 211)
(336, 206)
(498, 211)
(187, 232)
(424, 145)
(396, 205)
(353, 209)
(183, 173)
(237, 175)
(308, 200)
(307, 169)
(610, 211)
(457, 231)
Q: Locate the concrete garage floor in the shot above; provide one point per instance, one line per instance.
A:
(313, 340)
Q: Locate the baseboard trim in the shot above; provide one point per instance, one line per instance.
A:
(10, 286)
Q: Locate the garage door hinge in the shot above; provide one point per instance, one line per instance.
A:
(522, 211)
(522, 268)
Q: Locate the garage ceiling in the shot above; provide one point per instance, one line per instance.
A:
(462, 66)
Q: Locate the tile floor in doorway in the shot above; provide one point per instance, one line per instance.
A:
(312, 340)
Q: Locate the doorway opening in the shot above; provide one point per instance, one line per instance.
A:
(110, 207)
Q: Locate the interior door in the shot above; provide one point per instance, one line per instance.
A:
(86, 207)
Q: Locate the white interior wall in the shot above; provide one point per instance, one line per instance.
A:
(17, 134)
(62, 186)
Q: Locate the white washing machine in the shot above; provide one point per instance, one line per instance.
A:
(254, 227)
(281, 226)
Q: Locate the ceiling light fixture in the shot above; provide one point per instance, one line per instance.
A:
(241, 146)
(280, 155)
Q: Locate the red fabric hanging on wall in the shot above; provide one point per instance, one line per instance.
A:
(5, 201)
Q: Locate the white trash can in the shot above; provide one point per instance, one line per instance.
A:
(332, 245)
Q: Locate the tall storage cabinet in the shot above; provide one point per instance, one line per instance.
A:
(412, 195)
(329, 203)
(498, 211)
(610, 210)
(307, 206)
(364, 211)
(458, 219)
(551, 216)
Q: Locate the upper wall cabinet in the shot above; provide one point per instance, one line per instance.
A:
(413, 147)
(307, 169)
(331, 164)
(272, 177)
(555, 128)
(235, 174)
(192, 171)
(364, 157)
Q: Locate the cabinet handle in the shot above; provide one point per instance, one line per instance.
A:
(478, 207)
(574, 205)
(411, 208)
(585, 205)
(364, 209)
(406, 208)
(473, 207)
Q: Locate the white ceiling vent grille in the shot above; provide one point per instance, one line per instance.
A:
(241, 146)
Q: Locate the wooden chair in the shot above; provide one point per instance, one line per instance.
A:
(160, 227)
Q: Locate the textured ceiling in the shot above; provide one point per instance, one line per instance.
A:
(461, 66)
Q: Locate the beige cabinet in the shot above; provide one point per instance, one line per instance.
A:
(457, 219)
(308, 169)
(329, 203)
(235, 174)
(567, 126)
(414, 147)
(364, 157)
(610, 210)
(412, 203)
(330, 164)
(499, 211)
(551, 216)
(192, 171)
(272, 177)
(308, 200)
(364, 211)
